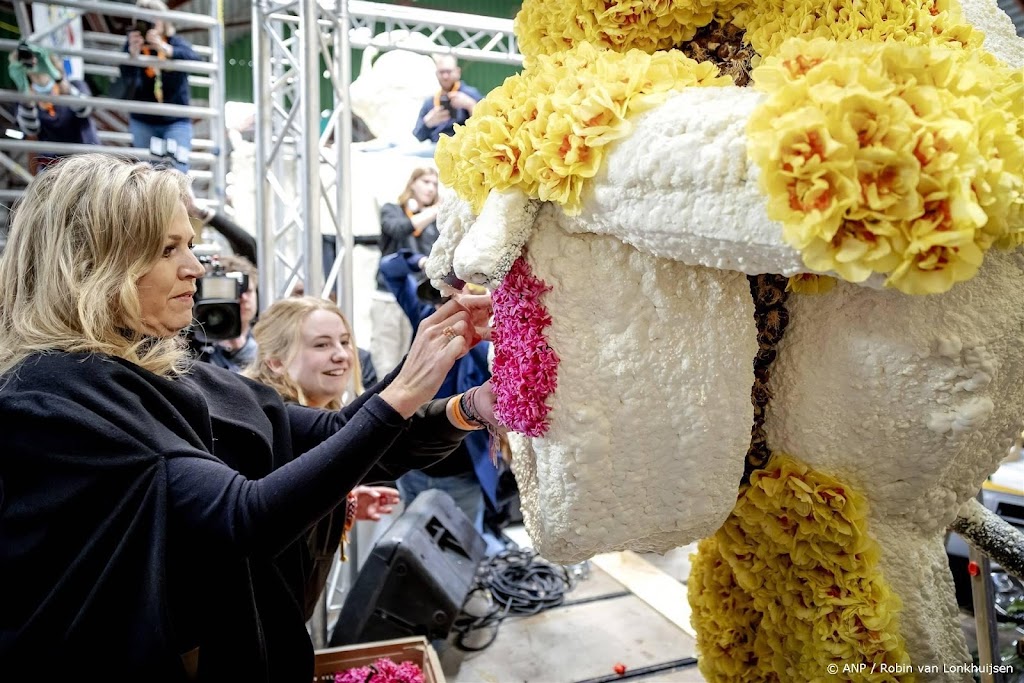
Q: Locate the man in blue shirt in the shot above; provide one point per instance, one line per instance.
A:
(452, 104)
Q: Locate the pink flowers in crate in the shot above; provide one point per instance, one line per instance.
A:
(525, 367)
(382, 671)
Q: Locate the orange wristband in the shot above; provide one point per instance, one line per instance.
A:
(458, 418)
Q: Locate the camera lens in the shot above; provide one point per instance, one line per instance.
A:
(217, 320)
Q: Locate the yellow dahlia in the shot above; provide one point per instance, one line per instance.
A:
(888, 158)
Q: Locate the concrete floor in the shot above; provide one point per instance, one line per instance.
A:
(603, 622)
(624, 609)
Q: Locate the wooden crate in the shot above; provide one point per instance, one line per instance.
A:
(416, 650)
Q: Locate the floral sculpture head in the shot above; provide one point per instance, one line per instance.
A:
(802, 293)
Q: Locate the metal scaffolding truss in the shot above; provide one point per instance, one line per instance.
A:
(468, 37)
(293, 199)
(102, 54)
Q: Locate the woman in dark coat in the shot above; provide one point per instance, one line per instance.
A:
(153, 512)
(411, 222)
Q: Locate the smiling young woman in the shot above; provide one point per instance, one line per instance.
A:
(306, 352)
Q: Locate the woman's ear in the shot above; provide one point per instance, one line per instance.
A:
(276, 366)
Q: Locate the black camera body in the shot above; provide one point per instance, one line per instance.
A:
(446, 102)
(142, 26)
(26, 56)
(218, 309)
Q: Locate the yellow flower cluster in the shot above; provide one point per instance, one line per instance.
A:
(769, 23)
(550, 26)
(890, 158)
(724, 617)
(797, 547)
(545, 131)
(809, 283)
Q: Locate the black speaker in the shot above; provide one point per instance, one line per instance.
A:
(417, 577)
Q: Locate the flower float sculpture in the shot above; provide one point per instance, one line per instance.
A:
(756, 270)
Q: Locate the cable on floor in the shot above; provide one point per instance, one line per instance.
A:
(518, 583)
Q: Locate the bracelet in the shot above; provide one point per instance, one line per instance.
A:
(468, 409)
(459, 417)
(351, 508)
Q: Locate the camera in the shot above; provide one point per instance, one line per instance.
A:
(218, 309)
(446, 102)
(142, 26)
(26, 56)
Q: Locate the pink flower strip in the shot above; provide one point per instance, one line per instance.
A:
(525, 367)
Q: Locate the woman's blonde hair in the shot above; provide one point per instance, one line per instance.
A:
(416, 175)
(84, 233)
(159, 7)
(278, 336)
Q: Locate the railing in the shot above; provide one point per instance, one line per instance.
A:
(102, 54)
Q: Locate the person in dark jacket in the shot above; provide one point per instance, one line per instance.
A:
(411, 223)
(452, 104)
(168, 136)
(470, 476)
(408, 224)
(35, 69)
(154, 511)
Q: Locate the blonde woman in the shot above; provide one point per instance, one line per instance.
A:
(154, 511)
(306, 352)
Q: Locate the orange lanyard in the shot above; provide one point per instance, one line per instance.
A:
(158, 84)
(48, 106)
(437, 95)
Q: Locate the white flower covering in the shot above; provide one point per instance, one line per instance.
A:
(454, 219)
(662, 188)
(1001, 37)
(651, 416)
(492, 246)
(913, 401)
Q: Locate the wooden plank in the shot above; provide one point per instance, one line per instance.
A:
(658, 589)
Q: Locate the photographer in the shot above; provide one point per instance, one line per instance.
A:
(170, 136)
(453, 103)
(34, 69)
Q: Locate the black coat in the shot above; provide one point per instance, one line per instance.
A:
(396, 232)
(142, 517)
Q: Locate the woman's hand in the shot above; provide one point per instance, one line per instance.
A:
(480, 313)
(441, 339)
(374, 501)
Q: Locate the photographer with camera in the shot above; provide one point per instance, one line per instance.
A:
(168, 136)
(452, 104)
(35, 69)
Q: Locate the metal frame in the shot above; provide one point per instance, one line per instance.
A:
(286, 71)
(102, 58)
